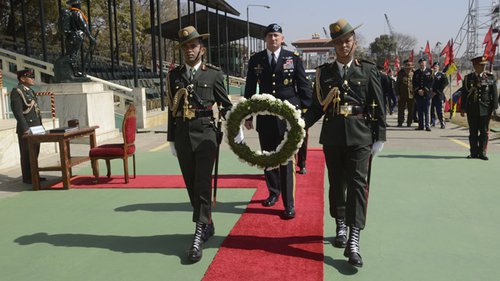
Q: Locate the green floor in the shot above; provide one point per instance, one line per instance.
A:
(432, 216)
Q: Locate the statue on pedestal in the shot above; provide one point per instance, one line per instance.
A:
(74, 25)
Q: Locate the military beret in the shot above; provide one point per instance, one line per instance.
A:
(273, 27)
(478, 60)
(435, 63)
(28, 72)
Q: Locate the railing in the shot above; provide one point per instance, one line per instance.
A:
(21, 62)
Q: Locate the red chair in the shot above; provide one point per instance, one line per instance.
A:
(117, 150)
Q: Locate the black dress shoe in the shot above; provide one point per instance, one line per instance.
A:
(428, 129)
(471, 156)
(400, 125)
(208, 232)
(270, 201)
(483, 157)
(289, 213)
(354, 258)
(419, 129)
(302, 171)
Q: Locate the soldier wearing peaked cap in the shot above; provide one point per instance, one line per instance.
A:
(193, 88)
(422, 86)
(404, 92)
(23, 103)
(281, 73)
(479, 100)
(440, 82)
(348, 95)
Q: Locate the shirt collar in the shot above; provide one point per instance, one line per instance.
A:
(196, 67)
(341, 65)
(276, 53)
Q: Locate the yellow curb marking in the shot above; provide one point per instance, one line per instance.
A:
(160, 147)
(460, 142)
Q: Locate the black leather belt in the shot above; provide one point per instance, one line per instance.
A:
(351, 110)
(204, 113)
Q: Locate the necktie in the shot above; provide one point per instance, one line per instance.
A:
(192, 71)
(273, 61)
(345, 71)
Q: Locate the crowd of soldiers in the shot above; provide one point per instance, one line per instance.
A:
(418, 91)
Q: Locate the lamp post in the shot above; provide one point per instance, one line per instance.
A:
(248, 25)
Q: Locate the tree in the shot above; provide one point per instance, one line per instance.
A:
(405, 42)
(383, 47)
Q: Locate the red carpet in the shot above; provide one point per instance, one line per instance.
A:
(158, 181)
(262, 246)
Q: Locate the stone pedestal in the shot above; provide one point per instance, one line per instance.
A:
(88, 102)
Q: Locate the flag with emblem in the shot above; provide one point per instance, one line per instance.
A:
(428, 52)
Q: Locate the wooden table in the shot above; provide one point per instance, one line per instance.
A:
(67, 161)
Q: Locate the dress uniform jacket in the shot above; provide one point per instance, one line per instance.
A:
(24, 106)
(23, 103)
(287, 82)
(480, 94)
(195, 138)
(365, 88)
(208, 84)
(404, 90)
(422, 80)
(439, 83)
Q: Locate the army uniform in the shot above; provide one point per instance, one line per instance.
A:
(349, 97)
(479, 100)
(287, 82)
(192, 132)
(422, 80)
(404, 91)
(23, 103)
(440, 82)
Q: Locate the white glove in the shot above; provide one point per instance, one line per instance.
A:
(377, 147)
(172, 148)
(239, 137)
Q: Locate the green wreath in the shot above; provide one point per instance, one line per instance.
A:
(266, 104)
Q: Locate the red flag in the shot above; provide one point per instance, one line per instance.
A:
(386, 65)
(428, 52)
(396, 63)
(492, 50)
(411, 56)
(488, 41)
(446, 49)
(452, 56)
(459, 78)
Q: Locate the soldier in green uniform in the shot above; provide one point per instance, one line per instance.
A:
(479, 101)
(404, 91)
(23, 103)
(193, 89)
(348, 93)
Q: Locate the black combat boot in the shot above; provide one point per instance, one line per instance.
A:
(352, 248)
(341, 239)
(196, 250)
(208, 231)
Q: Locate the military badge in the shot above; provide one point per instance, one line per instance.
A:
(285, 82)
(288, 64)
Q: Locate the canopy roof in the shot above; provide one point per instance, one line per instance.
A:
(237, 28)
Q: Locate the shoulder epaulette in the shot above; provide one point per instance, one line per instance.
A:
(296, 53)
(367, 61)
(212, 66)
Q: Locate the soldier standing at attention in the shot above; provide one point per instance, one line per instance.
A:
(422, 85)
(348, 93)
(479, 100)
(23, 103)
(438, 97)
(280, 73)
(192, 89)
(404, 91)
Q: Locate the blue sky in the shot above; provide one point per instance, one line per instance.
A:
(433, 20)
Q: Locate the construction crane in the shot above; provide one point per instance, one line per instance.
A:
(391, 31)
(326, 33)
